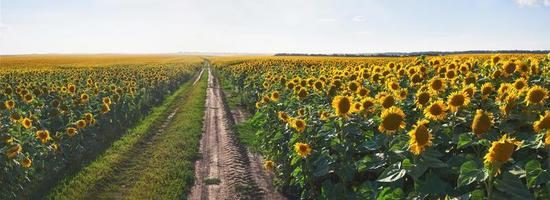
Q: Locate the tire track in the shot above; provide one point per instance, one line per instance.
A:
(223, 158)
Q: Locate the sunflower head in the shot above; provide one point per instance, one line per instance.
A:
(422, 98)
(302, 149)
(299, 125)
(10, 104)
(269, 165)
(71, 131)
(367, 104)
(420, 137)
(43, 136)
(501, 151)
(536, 95)
(436, 111)
(482, 122)
(543, 123)
(342, 105)
(487, 89)
(457, 100)
(26, 163)
(13, 151)
(81, 124)
(437, 84)
(283, 116)
(302, 93)
(392, 120)
(26, 122)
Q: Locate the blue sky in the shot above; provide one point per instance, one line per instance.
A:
(261, 26)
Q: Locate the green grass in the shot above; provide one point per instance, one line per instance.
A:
(169, 169)
(212, 181)
(246, 132)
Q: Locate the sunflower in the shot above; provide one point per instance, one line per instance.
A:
(318, 85)
(486, 90)
(363, 92)
(71, 131)
(437, 84)
(520, 84)
(354, 86)
(26, 122)
(422, 98)
(81, 124)
(302, 93)
(456, 100)
(265, 99)
(283, 116)
(392, 120)
(357, 107)
(275, 96)
(482, 122)
(501, 151)
(542, 123)
(509, 68)
(43, 136)
(84, 98)
(105, 108)
(393, 85)
(298, 124)
(71, 87)
(14, 150)
(26, 163)
(106, 100)
(324, 116)
(436, 111)
(10, 104)
(342, 105)
(386, 100)
(547, 139)
(269, 165)
(420, 137)
(536, 95)
(302, 149)
(28, 98)
(367, 104)
(469, 90)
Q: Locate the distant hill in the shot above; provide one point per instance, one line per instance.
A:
(427, 53)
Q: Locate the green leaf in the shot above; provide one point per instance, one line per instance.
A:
(511, 187)
(432, 185)
(392, 173)
(390, 194)
(463, 140)
(321, 166)
(535, 174)
(471, 172)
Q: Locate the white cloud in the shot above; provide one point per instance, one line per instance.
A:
(532, 3)
(358, 18)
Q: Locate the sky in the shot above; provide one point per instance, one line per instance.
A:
(274, 26)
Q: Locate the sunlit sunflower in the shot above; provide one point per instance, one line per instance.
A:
(302, 93)
(342, 105)
(106, 100)
(536, 95)
(353, 86)
(437, 84)
(302, 149)
(283, 116)
(482, 122)
(10, 104)
(14, 150)
(367, 103)
(26, 122)
(509, 68)
(385, 99)
(363, 92)
(28, 98)
(43, 136)
(543, 122)
(501, 151)
(71, 131)
(84, 98)
(420, 137)
(298, 124)
(269, 165)
(486, 90)
(469, 90)
(520, 84)
(26, 163)
(436, 111)
(324, 116)
(547, 139)
(393, 119)
(357, 107)
(422, 98)
(81, 124)
(105, 108)
(457, 100)
(275, 96)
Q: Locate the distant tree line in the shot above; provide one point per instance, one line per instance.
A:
(425, 53)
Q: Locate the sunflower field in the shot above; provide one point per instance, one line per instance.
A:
(453, 127)
(53, 117)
